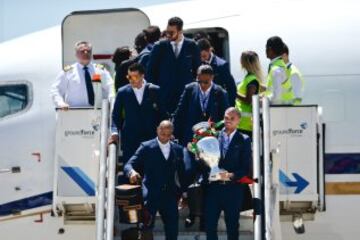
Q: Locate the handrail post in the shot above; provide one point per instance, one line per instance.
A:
(267, 169)
(256, 166)
(100, 211)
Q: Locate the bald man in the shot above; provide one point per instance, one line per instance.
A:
(157, 163)
(227, 194)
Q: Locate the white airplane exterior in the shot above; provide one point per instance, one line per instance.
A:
(323, 38)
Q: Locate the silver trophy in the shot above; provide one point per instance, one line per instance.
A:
(209, 151)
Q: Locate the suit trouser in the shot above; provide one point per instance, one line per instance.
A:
(168, 209)
(227, 198)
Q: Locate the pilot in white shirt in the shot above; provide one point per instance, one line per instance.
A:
(73, 87)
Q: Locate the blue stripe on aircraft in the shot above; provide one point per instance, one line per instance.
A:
(76, 174)
(26, 203)
(342, 163)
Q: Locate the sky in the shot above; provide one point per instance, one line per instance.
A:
(20, 17)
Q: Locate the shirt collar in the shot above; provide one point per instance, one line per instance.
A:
(231, 134)
(273, 60)
(142, 87)
(208, 90)
(181, 41)
(162, 144)
(82, 66)
(211, 58)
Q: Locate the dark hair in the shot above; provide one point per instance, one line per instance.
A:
(276, 44)
(176, 21)
(205, 69)
(163, 34)
(152, 34)
(204, 44)
(201, 34)
(121, 54)
(137, 67)
(286, 49)
(140, 42)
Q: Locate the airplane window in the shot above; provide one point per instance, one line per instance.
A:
(13, 98)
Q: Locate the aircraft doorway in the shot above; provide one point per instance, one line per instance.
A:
(218, 37)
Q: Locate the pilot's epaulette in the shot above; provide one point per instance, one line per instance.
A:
(102, 67)
(67, 68)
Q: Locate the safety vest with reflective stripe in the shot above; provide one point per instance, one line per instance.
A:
(287, 94)
(293, 70)
(243, 107)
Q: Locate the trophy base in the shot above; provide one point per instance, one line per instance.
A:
(215, 174)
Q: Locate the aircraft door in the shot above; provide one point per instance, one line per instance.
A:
(106, 30)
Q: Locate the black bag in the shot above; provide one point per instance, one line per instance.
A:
(136, 234)
(130, 202)
(195, 200)
(248, 200)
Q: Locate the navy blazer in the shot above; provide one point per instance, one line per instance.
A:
(238, 156)
(129, 117)
(189, 112)
(157, 172)
(145, 54)
(224, 78)
(171, 73)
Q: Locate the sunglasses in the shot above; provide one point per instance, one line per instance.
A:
(129, 77)
(85, 51)
(170, 33)
(203, 82)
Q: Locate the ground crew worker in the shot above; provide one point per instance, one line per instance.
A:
(248, 87)
(73, 86)
(278, 86)
(296, 78)
(227, 194)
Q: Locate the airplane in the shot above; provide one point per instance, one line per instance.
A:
(323, 39)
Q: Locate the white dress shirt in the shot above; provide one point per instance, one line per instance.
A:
(210, 59)
(70, 87)
(279, 76)
(139, 92)
(179, 44)
(165, 148)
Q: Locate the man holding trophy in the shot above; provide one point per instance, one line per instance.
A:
(228, 156)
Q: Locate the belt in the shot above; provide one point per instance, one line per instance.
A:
(222, 182)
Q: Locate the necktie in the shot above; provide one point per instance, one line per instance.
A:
(204, 101)
(89, 86)
(176, 49)
(226, 143)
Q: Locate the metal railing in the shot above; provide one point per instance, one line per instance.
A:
(256, 167)
(100, 210)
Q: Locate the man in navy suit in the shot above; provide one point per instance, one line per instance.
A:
(152, 35)
(173, 63)
(200, 101)
(227, 194)
(221, 68)
(159, 163)
(137, 112)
